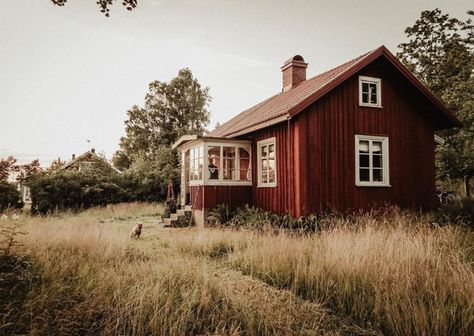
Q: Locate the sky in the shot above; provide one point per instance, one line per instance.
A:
(68, 74)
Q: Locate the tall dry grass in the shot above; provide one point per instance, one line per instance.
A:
(92, 280)
(392, 272)
(87, 277)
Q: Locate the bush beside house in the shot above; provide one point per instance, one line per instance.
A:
(9, 197)
(81, 190)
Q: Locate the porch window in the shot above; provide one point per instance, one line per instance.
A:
(244, 164)
(229, 163)
(214, 162)
(196, 160)
(372, 161)
(266, 156)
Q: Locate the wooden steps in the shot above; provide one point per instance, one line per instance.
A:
(180, 215)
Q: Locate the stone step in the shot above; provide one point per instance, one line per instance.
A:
(169, 221)
(183, 212)
(175, 216)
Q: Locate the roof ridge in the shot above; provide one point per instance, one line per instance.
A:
(293, 101)
(237, 119)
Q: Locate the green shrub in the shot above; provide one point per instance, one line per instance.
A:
(170, 207)
(74, 190)
(9, 197)
(457, 212)
(257, 219)
(220, 215)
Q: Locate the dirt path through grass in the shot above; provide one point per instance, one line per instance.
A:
(278, 311)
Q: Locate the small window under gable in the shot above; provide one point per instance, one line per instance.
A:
(372, 163)
(370, 91)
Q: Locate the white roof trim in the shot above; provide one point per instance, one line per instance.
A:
(259, 126)
(184, 139)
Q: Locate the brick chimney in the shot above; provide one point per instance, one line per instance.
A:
(73, 156)
(294, 72)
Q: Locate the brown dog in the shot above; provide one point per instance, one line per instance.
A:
(136, 231)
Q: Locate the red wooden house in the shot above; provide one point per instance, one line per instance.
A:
(354, 137)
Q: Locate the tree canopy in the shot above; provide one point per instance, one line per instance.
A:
(171, 109)
(440, 52)
(104, 5)
(9, 166)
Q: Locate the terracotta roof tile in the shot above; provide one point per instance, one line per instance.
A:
(278, 106)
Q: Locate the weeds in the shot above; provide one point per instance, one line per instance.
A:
(389, 270)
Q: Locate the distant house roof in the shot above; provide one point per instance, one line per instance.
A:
(91, 154)
(289, 103)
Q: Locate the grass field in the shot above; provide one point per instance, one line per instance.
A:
(81, 274)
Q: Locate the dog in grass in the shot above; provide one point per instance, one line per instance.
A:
(136, 231)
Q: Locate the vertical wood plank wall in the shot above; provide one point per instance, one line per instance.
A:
(333, 122)
(277, 199)
(316, 152)
(209, 197)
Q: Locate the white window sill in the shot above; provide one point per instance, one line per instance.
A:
(370, 105)
(220, 183)
(371, 184)
(267, 185)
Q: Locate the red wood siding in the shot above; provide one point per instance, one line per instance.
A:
(332, 123)
(210, 196)
(277, 199)
(316, 153)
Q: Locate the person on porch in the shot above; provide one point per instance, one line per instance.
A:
(213, 171)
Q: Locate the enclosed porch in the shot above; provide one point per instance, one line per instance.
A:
(214, 171)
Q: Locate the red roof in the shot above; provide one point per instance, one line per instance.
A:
(287, 104)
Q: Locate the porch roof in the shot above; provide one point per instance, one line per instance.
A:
(188, 138)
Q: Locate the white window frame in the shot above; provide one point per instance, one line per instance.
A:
(260, 144)
(371, 80)
(220, 181)
(191, 163)
(385, 161)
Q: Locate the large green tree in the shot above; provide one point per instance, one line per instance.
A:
(171, 109)
(440, 52)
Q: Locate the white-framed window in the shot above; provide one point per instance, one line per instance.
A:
(370, 91)
(266, 163)
(372, 162)
(214, 163)
(196, 162)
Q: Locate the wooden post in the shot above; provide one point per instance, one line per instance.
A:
(170, 193)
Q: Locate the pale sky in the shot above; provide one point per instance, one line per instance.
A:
(68, 74)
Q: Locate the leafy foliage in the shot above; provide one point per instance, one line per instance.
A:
(170, 207)
(257, 219)
(9, 196)
(28, 170)
(171, 110)
(7, 166)
(440, 52)
(74, 190)
(104, 5)
(461, 212)
(80, 190)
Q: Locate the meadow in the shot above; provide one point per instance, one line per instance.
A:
(81, 274)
